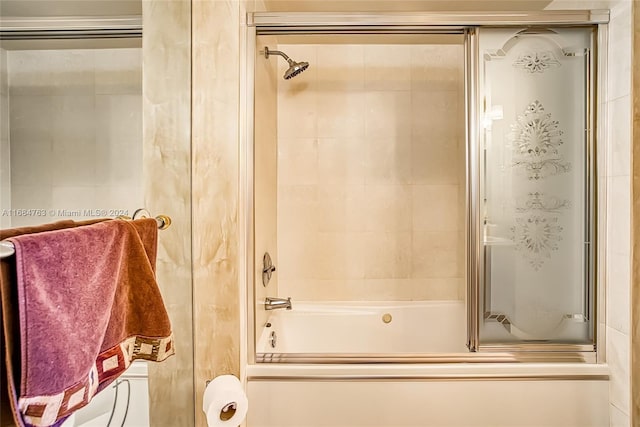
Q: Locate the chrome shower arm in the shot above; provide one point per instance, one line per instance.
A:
(294, 69)
(268, 52)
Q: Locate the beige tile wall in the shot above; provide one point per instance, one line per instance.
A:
(371, 173)
(166, 57)
(5, 152)
(75, 120)
(216, 49)
(265, 169)
(215, 166)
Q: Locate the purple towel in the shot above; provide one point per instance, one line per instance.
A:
(89, 305)
(10, 337)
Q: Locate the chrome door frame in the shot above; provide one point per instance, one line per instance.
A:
(274, 23)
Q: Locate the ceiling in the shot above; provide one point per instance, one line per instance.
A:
(38, 8)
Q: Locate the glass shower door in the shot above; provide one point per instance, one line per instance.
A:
(536, 187)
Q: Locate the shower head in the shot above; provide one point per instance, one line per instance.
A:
(294, 69)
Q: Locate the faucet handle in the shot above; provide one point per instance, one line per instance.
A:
(267, 269)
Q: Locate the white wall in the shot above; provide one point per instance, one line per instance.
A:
(75, 133)
(619, 211)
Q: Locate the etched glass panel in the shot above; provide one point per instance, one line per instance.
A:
(535, 183)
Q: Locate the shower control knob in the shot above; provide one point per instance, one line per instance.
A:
(267, 269)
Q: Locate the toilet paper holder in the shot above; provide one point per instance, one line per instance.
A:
(231, 406)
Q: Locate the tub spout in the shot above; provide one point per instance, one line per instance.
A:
(275, 303)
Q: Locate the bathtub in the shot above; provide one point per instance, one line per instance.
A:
(351, 394)
(371, 328)
(127, 408)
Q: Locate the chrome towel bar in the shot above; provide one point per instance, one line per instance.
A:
(7, 249)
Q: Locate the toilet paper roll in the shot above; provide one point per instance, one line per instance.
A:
(225, 402)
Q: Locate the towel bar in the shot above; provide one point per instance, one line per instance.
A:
(7, 249)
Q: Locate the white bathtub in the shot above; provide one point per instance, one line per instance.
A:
(408, 394)
(128, 408)
(350, 327)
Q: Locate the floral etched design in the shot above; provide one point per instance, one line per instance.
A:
(536, 237)
(535, 133)
(544, 168)
(536, 62)
(540, 202)
(536, 139)
(537, 233)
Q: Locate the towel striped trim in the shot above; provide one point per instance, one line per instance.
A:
(43, 411)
